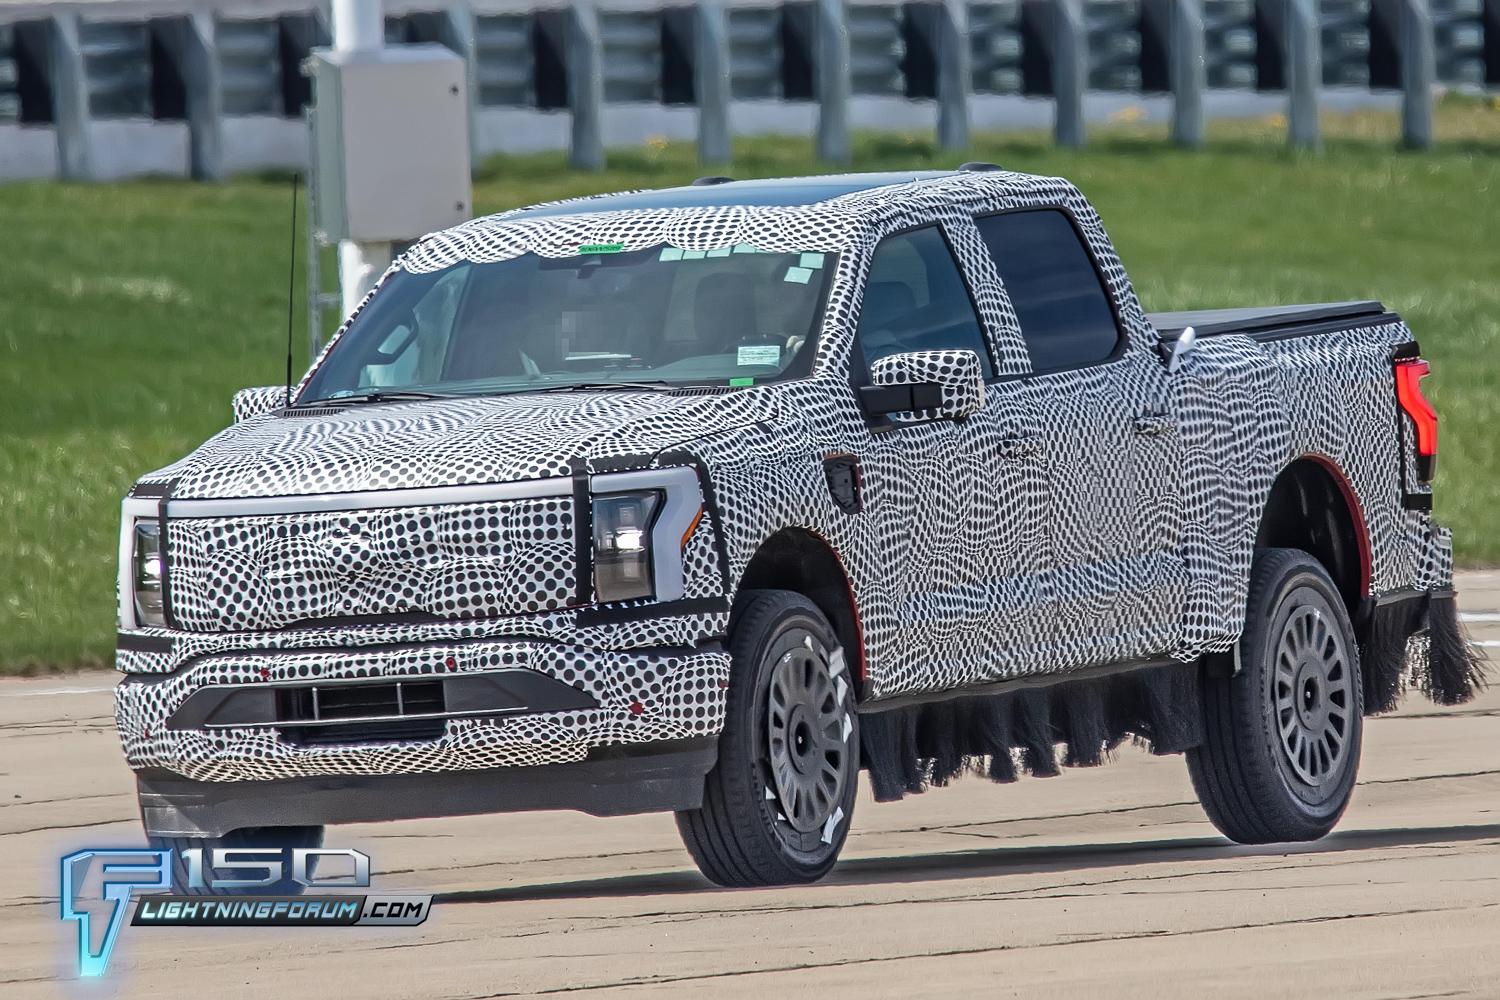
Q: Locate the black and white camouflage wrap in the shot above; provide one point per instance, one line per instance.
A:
(236, 574)
(1080, 517)
(958, 372)
(685, 693)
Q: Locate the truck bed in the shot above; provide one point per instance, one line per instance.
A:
(1272, 323)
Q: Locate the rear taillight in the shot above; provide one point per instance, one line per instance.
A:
(1409, 375)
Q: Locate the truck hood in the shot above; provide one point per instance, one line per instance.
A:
(450, 442)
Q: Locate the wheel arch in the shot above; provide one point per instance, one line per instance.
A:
(1313, 507)
(802, 561)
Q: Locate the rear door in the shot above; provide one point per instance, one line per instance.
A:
(1110, 449)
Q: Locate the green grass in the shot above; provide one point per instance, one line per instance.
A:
(130, 312)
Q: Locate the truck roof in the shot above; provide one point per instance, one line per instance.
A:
(772, 191)
(823, 212)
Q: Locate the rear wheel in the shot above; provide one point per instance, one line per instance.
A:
(259, 836)
(1284, 734)
(777, 805)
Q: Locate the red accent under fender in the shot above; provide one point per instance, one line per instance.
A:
(1361, 530)
(859, 628)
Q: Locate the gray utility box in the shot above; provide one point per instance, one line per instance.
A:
(391, 134)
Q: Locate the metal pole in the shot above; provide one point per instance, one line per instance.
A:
(713, 82)
(458, 35)
(359, 26)
(1418, 74)
(1187, 71)
(954, 77)
(1070, 71)
(70, 99)
(198, 55)
(831, 70)
(585, 86)
(1304, 72)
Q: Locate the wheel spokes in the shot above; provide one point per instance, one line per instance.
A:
(1311, 692)
(805, 727)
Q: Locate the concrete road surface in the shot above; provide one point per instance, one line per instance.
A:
(1100, 883)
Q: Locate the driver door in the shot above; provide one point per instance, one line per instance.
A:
(959, 505)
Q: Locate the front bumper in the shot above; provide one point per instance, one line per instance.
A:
(635, 697)
(609, 782)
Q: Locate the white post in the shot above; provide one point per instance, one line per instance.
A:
(359, 26)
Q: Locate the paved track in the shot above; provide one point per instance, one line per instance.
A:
(1107, 882)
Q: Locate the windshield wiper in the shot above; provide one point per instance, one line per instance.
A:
(655, 386)
(400, 395)
(376, 396)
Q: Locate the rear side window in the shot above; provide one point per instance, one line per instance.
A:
(916, 300)
(1050, 277)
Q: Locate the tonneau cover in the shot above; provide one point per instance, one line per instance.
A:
(1211, 321)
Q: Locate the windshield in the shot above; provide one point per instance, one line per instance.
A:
(727, 317)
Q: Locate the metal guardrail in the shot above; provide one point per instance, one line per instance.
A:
(10, 98)
(546, 74)
(996, 48)
(250, 67)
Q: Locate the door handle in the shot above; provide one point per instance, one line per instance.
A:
(1153, 424)
(1020, 447)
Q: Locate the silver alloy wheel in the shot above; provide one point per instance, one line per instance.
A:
(805, 734)
(1312, 688)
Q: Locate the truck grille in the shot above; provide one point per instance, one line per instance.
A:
(481, 560)
(361, 713)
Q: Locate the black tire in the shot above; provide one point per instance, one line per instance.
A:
(1283, 736)
(259, 836)
(791, 700)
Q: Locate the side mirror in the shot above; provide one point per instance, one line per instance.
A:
(262, 399)
(925, 384)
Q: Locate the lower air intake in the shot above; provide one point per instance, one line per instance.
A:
(361, 713)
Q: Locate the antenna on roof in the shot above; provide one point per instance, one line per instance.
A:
(291, 281)
(978, 167)
(716, 179)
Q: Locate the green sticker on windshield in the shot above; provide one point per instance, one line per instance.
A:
(601, 248)
(798, 275)
(811, 261)
(741, 381)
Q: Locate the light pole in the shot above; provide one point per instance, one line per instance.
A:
(359, 26)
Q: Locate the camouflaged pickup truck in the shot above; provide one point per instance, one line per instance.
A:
(706, 499)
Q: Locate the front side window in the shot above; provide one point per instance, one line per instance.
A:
(916, 300)
(1062, 306)
(679, 317)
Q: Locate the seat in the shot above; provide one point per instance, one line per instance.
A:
(724, 312)
(500, 331)
(886, 306)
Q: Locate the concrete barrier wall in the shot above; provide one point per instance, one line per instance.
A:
(209, 88)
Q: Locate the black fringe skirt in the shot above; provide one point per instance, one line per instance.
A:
(909, 748)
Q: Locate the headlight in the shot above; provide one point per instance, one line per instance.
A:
(145, 573)
(622, 545)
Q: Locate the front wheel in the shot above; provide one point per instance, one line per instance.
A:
(1283, 736)
(777, 805)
